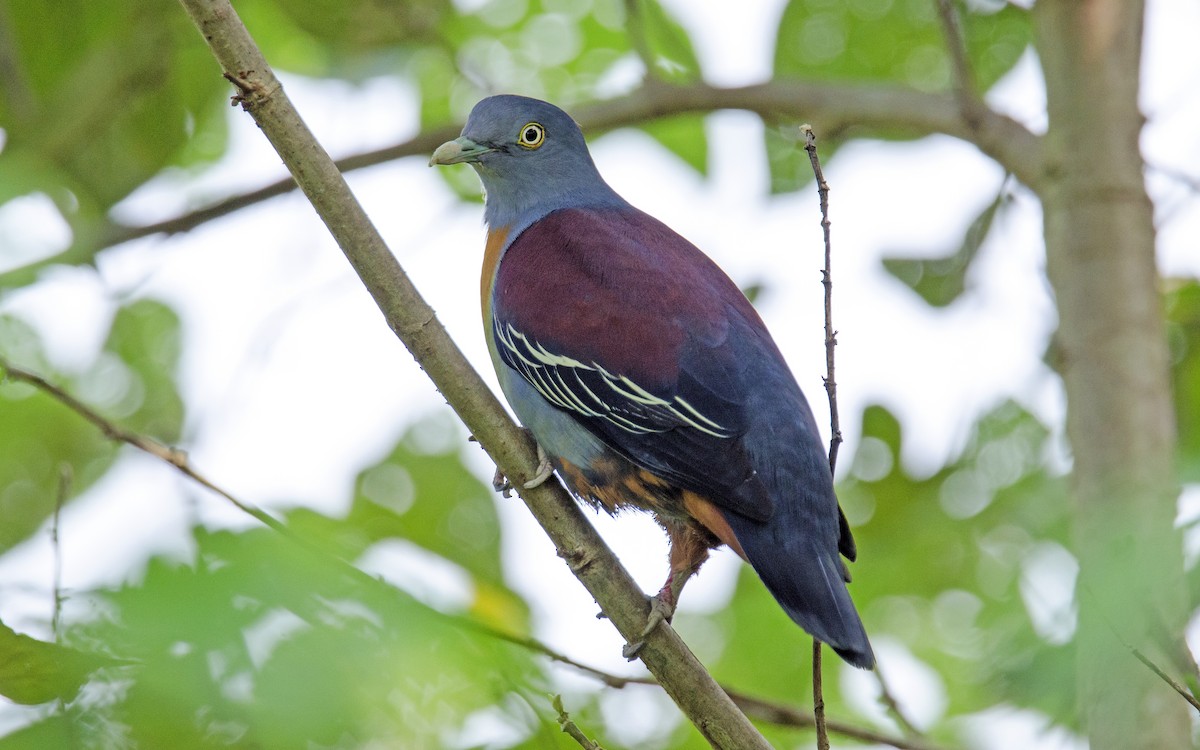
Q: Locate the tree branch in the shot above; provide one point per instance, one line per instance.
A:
(679, 672)
(857, 109)
(758, 708)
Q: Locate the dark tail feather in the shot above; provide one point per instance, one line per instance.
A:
(807, 582)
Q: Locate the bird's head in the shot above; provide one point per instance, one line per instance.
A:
(531, 158)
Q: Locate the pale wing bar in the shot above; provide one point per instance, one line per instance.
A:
(593, 391)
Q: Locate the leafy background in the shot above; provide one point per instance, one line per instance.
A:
(186, 624)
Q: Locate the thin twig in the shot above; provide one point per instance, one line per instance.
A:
(835, 439)
(969, 104)
(532, 644)
(569, 728)
(635, 22)
(835, 425)
(893, 706)
(794, 717)
(819, 721)
(111, 430)
(1174, 684)
(65, 478)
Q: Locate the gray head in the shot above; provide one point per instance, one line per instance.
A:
(531, 158)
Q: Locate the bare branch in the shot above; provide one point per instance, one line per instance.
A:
(411, 318)
(835, 428)
(856, 110)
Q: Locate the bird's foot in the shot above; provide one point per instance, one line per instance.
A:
(544, 470)
(661, 610)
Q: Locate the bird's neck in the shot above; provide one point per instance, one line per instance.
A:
(514, 206)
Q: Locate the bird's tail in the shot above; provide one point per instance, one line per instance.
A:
(805, 577)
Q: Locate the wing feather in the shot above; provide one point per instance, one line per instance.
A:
(621, 323)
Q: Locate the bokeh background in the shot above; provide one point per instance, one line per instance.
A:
(151, 612)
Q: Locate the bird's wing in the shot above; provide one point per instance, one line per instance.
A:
(623, 324)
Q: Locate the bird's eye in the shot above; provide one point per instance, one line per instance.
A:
(532, 135)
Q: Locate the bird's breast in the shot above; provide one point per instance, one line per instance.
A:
(497, 240)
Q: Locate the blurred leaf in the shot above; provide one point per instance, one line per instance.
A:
(672, 54)
(942, 558)
(684, 137)
(898, 41)
(328, 37)
(107, 93)
(941, 281)
(1183, 329)
(145, 336)
(33, 671)
(421, 492)
(553, 50)
(55, 731)
(258, 642)
(131, 382)
(883, 41)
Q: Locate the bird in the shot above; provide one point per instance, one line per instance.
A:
(645, 375)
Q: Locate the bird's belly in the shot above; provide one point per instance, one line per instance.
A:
(612, 483)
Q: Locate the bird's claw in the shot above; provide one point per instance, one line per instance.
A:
(661, 611)
(544, 470)
(501, 484)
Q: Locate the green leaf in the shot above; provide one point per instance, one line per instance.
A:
(422, 492)
(895, 41)
(110, 93)
(261, 642)
(145, 338)
(941, 558)
(38, 438)
(883, 41)
(55, 731)
(33, 671)
(1183, 330)
(131, 383)
(941, 281)
(673, 58)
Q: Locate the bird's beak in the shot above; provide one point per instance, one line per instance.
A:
(457, 151)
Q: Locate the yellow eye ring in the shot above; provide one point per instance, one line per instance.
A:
(532, 135)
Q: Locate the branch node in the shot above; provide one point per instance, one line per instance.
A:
(578, 560)
(252, 93)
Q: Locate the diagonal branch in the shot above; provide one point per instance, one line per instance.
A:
(760, 709)
(860, 110)
(411, 318)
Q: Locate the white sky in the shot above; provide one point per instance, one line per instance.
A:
(293, 383)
